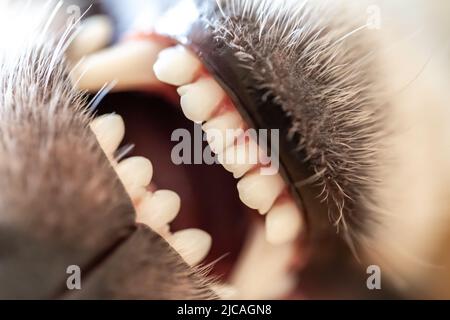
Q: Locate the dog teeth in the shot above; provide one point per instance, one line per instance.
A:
(216, 130)
(240, 158)
(95, 33)
(201, 99)
(158, 209)
(137, 194)
(192, 244)
(283, 223)
(128, 63)
(135, 173)
(259, 192)
(176, 66)
(109, 130)
(261, 271)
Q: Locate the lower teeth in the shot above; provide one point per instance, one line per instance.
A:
(156, 209)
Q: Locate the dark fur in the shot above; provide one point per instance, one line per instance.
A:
(61, 202)
(299, 53)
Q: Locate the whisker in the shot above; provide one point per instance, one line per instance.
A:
(95, 102)
(123, 152)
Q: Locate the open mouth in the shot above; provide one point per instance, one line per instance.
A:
(242, 149)
(261, 232)
(244, 242)
(246, 149)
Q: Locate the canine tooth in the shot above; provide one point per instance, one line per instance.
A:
(283, 223)
(200, 99)
(261, 272)
(176, 66)
(95, 34)
(259, 192)
(241, 158)
(192, 244)
(216, 130)
(109, 130)
(129, 63)
(159, 209)
(135, 173)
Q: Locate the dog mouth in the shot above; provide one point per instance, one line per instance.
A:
(267, 236)
(257, 244)
(240, 254)
(248, 261)
(235, 214)
(241, 151)
(253, 226)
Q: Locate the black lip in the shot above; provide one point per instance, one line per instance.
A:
(329, 251)
(331, 269)
(221, 63)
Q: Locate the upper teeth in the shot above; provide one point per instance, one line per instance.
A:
(177, 66)
(216, 130)
(261, 271)
(95, 33)
(129, 64)
(202, 99)
(260, 192)
(240, 158)
(283, 222)
(197, 106)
